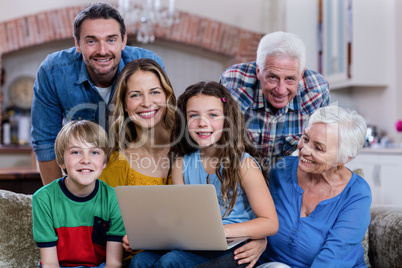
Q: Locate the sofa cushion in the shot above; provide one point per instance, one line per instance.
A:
(17, 247)
(385, 236)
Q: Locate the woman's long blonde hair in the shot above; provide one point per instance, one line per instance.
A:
(121, 129)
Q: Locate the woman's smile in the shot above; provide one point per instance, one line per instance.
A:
(148, 114)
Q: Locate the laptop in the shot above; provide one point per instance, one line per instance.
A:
(166, 217)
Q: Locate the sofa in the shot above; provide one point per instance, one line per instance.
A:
(383, 242)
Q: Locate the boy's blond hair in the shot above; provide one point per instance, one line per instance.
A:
(83, 131)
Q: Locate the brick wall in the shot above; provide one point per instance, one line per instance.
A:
(238, 44)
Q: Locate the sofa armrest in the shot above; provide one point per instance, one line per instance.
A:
(385, 236)
(17, 247)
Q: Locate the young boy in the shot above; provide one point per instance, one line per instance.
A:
(76, 219)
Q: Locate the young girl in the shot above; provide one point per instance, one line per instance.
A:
(210, 146)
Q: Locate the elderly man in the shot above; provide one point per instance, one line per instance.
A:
(277, 94)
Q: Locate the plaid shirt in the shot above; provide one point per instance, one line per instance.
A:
(274, 135)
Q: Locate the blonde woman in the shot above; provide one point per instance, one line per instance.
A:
(140, 123)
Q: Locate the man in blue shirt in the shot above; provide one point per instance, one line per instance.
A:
(78, 83)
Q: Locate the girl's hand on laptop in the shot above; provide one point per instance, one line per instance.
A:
(250, 252)
(126, 245)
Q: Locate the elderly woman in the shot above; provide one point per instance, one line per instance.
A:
(323, 207)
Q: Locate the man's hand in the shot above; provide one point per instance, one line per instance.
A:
(49, 171)
(126, 245)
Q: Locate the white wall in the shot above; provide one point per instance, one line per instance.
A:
(379, 105)
(184, 66)
(248, 14)
(15, 160)
(26, 63)
(302, 20)
(398, 69)
(20, 8)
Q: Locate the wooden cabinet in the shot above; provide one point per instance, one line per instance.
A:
(383, 172)
(370, 166)
(355, 42)
(24, 180)
(390, 174)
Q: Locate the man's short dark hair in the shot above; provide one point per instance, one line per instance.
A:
(98, 11)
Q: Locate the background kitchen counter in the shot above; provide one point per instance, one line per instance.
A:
(16, 156)
(18, 170)
(381, 150)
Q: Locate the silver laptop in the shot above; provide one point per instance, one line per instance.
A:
(165, 217)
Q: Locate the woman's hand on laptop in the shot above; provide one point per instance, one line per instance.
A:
(250, 252)
(126, 245)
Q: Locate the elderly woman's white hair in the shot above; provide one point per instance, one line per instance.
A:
(281, 44)
(352, 129)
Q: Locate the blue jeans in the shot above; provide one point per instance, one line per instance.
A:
(184, 258)
(100, 266)
(273, 265)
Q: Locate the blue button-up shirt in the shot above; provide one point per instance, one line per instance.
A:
(275, 135)
(63, 91)
(331, 236)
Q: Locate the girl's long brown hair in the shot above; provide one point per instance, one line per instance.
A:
(233, 143)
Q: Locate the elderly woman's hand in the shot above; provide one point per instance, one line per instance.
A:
(250, 252)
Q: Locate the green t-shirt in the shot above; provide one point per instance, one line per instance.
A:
(78, 226)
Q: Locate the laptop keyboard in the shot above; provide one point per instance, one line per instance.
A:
(228, 241)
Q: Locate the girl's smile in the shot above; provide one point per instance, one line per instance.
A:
(204, 135)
